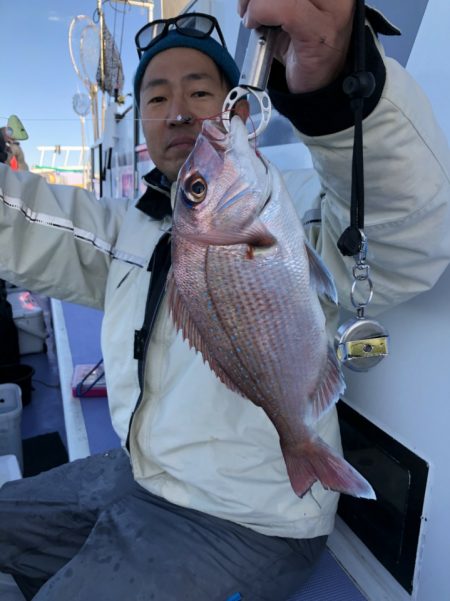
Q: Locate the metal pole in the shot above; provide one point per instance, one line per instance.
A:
(83, 142)
(102, 64)
(149, 5)
(94, 110)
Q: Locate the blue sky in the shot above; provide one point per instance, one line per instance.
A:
(37, 79)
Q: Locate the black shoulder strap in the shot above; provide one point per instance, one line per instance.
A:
(159, 266)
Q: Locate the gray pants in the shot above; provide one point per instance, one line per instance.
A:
(86, 531)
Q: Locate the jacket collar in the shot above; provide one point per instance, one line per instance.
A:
(155, 201)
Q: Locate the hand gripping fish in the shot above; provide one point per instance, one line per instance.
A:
(244, 291)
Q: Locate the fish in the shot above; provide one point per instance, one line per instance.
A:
(245, 288)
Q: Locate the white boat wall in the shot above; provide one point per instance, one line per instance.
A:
(400, 409)
(407, 395)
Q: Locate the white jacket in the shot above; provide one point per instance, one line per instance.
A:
(192, 440)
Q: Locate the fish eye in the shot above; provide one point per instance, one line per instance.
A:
(196, 189)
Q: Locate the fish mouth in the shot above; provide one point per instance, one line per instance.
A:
(215, 133)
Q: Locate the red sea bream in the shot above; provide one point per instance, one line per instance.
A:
(244, 289)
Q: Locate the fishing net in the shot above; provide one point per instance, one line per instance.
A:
(113, 79)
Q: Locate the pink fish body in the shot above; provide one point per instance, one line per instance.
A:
(244, 291)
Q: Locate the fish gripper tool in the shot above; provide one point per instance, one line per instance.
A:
(254, 76)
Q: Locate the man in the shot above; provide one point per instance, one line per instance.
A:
(10, 150)
(3, 146)
(208, 511)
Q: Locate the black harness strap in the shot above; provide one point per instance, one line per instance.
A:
(159, 266)
(155, 203)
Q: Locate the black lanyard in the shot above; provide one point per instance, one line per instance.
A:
(358, 85)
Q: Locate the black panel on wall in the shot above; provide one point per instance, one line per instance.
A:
(389, 526)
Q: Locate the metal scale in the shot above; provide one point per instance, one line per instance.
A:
(360, 343)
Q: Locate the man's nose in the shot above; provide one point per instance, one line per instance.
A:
(180, 114)
(182, 120)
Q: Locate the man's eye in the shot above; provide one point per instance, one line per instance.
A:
(201, 93)
(156, 100)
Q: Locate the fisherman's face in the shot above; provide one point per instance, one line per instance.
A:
(178, 81)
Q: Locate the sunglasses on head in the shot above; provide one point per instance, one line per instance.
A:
(194, 25)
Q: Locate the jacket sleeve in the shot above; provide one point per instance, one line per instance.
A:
(407, 183)
(56, 240)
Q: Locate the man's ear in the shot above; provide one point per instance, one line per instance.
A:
(242, 109)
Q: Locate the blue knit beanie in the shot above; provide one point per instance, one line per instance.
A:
(208, 46)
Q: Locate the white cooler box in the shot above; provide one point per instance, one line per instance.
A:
(29, 319)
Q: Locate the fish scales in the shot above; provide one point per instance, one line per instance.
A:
(244, 291)
(260, 293)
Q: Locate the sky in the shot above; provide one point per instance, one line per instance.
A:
(37, 79)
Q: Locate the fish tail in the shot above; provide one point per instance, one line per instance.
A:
(313, 460)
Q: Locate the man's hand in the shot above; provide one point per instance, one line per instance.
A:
(315, 37)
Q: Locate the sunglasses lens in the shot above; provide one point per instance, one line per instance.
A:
(195, 25)
(149, 33)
